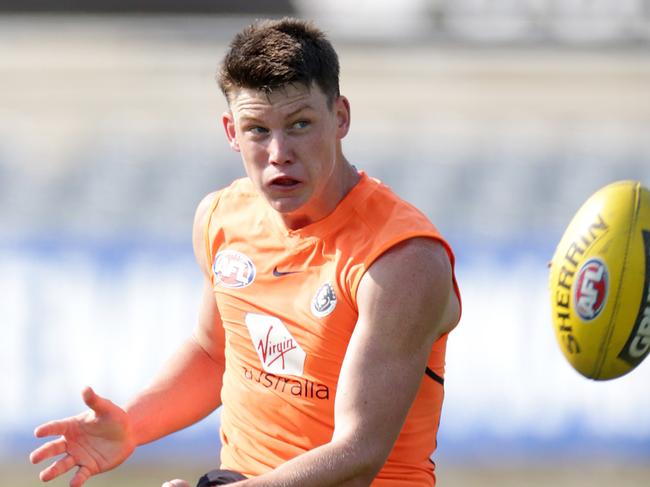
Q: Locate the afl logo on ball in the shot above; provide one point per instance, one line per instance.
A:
(233, 269)
(324, 301)
(590, 289)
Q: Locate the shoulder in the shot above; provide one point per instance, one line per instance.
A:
(215, 205)
(199, 227)
(419, 259)
(382, 210)
(398, 229)
(205, 206)
(415, 276)
(238, 188)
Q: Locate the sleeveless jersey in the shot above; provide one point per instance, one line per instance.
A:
(287, 300)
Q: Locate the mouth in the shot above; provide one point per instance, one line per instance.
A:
(284, 182)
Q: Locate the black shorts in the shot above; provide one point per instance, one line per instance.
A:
(219, 477)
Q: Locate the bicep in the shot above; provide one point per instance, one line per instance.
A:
(406, 302)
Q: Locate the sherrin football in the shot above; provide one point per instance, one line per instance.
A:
(600, 280)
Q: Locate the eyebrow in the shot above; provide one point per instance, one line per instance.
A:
(307, 106)
(253, 118)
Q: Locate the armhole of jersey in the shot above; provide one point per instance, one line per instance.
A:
(402, 238)
(206, 228)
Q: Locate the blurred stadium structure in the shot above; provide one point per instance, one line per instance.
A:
(497, 118)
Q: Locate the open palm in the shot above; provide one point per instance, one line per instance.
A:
(95, 441)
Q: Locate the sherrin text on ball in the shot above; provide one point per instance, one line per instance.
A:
(600, 283)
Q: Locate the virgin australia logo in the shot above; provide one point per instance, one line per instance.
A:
(277, 349)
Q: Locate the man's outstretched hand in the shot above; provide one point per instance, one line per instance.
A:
(95, 441)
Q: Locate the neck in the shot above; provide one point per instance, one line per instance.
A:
(331, 196)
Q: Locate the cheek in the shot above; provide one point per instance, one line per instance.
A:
(253, 156)
(321, 150)
(253, 171)
(327, 158)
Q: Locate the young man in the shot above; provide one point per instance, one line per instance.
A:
(326, 305)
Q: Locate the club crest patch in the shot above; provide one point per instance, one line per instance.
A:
(324, 301)
(233, 269)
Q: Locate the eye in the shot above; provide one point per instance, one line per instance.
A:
(257, 130)
(300, 124)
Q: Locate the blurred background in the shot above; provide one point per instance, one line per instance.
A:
(498, 118)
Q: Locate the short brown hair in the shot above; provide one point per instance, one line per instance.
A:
(273, 53)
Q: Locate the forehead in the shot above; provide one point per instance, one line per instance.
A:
(283, 100)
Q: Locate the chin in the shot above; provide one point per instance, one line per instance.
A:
(286, 206)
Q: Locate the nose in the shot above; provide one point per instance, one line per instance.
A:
(279, 149)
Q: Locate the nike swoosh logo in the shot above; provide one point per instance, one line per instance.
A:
(278, 273)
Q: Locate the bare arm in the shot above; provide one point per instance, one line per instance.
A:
(188, 387)
(406, 302)
(186, 390)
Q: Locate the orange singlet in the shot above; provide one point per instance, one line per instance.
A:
(287, 299)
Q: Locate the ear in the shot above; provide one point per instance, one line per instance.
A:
(229, 126)
(343, 116)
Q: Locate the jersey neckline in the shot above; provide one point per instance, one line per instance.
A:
(320, 228)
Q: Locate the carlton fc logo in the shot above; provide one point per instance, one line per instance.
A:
(233, 269)
(591, 288)
(324, 301)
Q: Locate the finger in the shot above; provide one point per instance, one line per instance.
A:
(96, 402)
(57, 468)
(51, 428)
(80, 477)
(49, 449)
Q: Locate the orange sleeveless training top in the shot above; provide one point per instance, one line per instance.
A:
(287, 300)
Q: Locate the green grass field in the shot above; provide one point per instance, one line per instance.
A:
(520, 475)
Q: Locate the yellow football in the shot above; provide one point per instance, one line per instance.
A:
(600, 280)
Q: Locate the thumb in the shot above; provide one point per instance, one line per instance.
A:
(96, 402)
